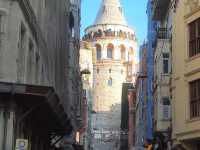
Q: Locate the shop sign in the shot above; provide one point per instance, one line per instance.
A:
(21, 144)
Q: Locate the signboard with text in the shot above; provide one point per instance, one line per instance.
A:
(21, 144)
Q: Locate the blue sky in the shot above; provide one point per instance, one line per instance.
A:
(134, 10)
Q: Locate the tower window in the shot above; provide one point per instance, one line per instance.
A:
(110, 82)
(123, 52)
(120, 9)
(98, 51)
(130, 54)
(122, 71)
(110, 70)
(110, 49)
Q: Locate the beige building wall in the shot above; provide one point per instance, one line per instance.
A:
(162, 113)
(186, 130)
(86, 63)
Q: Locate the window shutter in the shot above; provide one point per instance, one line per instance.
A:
(166, 112)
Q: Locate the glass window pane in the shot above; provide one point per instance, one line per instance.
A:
(109, 53)
(165, 66)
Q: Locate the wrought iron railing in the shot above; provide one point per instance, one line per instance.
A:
(162, 33)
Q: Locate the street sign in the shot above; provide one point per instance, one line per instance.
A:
(21, 144)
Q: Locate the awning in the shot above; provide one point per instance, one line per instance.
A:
(42, 102)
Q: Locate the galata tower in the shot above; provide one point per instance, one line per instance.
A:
(113, 63)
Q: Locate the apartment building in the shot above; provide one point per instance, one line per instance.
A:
(186, 74)
(35, 108)
(162, 14)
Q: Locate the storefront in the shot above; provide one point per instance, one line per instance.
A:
(33, 114)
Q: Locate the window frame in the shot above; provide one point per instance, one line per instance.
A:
(110, 51)
(165, 57)
(166, 104)
(98, 52)
(123, 52)
(194, 37)
(194, 95)
(110, 82)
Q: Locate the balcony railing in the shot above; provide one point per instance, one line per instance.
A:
(162, 33)
(109, 34)
(159, 8)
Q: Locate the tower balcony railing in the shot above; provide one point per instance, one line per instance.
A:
(159, 9)
(109, 34)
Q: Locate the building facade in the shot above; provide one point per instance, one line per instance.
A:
(132, 118)
(151, 36)
(34, 88)
(115, 47)
(86, 65)
(162, 14)
(141, 99)
(186, 74)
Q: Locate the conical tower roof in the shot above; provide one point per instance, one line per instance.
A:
(110, 12)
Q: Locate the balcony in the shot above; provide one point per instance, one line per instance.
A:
(159, 9)
(162, 36)
(162, 33)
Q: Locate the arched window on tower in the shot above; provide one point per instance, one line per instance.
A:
(110, 81)
(130, 54)
(110, 49)
(98, 51)
(123, 52)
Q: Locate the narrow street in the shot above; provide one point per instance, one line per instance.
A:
(99, 75)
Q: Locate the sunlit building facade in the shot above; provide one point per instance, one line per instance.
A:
(186, 75)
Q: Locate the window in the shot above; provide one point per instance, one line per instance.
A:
(1, 23)
(30, 61)
(110, 82)
(1, 31)
(98, 70)
(123, 52)
(194, 98)
(110, 51)
(120, 9)
(110, 70)
(21, 53)
(165, 63)
(129, 70)
(194, 38)
(130, 54)
(166, 108)
(37, 68)
(166, 101)
(122, 71)
(71, 24)
(98, 51)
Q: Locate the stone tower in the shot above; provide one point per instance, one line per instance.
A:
(113, 64)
